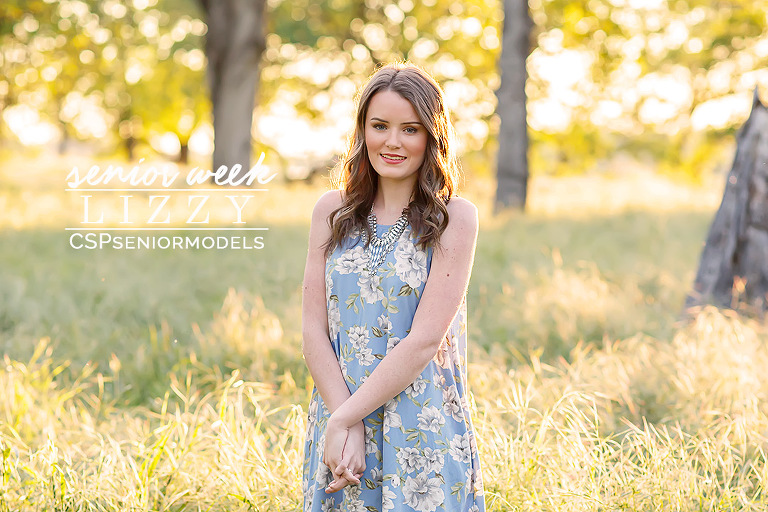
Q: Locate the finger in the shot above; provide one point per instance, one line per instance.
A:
(347, 474)
(350, 476)
(336, 485)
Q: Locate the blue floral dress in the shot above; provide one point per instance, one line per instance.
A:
(420, 448)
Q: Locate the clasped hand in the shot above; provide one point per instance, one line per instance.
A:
(344, 454)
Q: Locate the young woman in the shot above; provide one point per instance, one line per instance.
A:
(384, 313)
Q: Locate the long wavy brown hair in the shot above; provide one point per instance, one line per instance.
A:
(437, 177)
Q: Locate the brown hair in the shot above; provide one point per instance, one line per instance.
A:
(437, 176)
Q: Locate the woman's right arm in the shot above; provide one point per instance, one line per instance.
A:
(318, 352)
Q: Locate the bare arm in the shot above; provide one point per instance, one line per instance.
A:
(442, 297)
(318, 352)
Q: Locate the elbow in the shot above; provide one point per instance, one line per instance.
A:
(427, 345)
(310, 339)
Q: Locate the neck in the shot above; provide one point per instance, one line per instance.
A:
(391, 198)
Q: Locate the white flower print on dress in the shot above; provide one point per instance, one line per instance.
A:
(472, 443)
(377, 476)
(431, 419)
(358, 336)
(422, 493)
(392, 342)
(433, 460)
(476, 482)
(442, 356)
(387, 499)
(452, 403)
(391, 418)
(470, 476)
(352, 500)
(327, 506)
(312, 414)
(410, 263)
(385, 324)
(410, 459)
(370, 287)
(325, 477)
(351, 261)
(334, 318)
(459, 449)
(370, 444)
(366, 358)
(416, 387)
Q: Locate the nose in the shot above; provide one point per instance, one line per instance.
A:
(393, 139)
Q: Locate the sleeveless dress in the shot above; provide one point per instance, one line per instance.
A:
(421, 453)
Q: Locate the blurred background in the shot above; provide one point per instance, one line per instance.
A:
(173, 379)
(661, 82)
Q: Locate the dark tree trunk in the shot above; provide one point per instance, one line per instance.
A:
(64, 141)
(234, 44)
(183, 153)
(733, 271)
(130, 146)
(512, 159)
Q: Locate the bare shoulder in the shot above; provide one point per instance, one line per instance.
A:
(462, 214)
(460, 235)
(328, 202)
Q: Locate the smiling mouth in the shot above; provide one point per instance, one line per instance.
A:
(393, 157)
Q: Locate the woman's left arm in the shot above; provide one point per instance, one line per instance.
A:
(443, 294)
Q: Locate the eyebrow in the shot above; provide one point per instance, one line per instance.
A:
(385, 121)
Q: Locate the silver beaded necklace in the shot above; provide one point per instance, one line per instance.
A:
(381, 246)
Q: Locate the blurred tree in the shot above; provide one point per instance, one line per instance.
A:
(320, 52)
(733, 271)
(651, 77)
(171, 99)
(22, 52)
(116, 72)
(234, 44)
(512, 159)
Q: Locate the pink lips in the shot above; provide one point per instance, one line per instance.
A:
(387, 158)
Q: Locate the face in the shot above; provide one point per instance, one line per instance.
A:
(395, 138)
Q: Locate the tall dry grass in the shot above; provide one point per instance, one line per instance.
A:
(640, 424)
(162, 381)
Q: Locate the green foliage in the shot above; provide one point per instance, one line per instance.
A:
(632, 42)
(115, 74)
(128, 67)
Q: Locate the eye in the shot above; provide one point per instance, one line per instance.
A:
(378, 126)
(411, 129)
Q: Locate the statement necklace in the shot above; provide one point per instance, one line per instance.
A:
(379, 247)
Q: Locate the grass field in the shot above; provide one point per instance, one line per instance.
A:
(173, 380)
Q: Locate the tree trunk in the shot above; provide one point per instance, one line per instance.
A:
(183, 157)
(234, 44)
(512, 159)
(64, 141)
(733, 271)
(130, 146)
